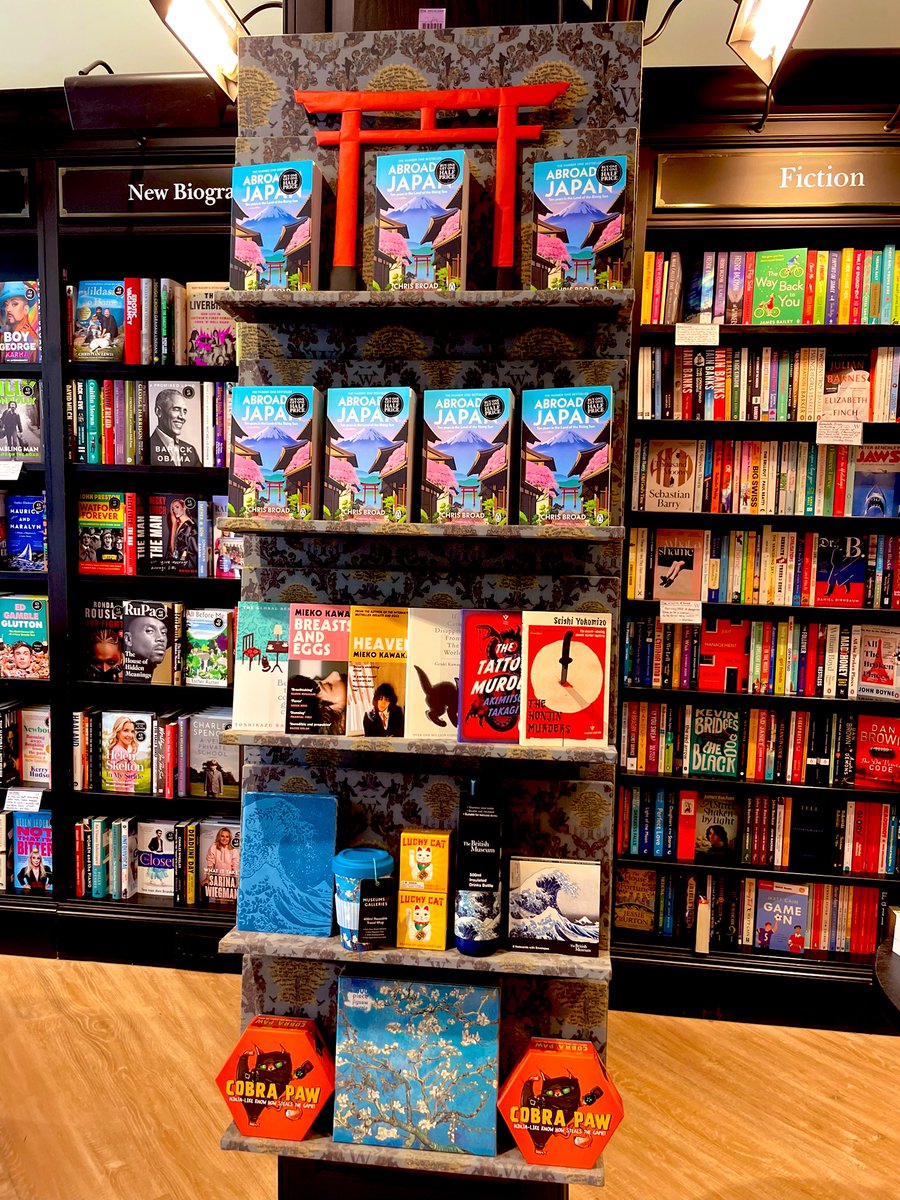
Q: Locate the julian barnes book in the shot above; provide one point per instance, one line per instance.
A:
(565, 456)
(678, 565)
(466, 450)
(152, 634)
(276, 218)
(779, 280)
(377, 672)
(421, 220)
(577, 222)
(846, 394)
(103, 640)
(490, 676)
(432, 673)
(317, 666)
(276, 437)
(99, 325)
(24, 649)
(126, 751)
(210, 330)
(20, 312)
(261, 645)
(207, 647)
(214, 770)
(176, 424)
(565, 678)
(21, 420)
(107, 533)
(671, 476)
(369, 454)
(554, 906)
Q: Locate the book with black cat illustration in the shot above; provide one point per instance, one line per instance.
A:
(432, 673)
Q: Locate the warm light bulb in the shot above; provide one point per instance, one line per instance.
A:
(210, 30)
(776, 22)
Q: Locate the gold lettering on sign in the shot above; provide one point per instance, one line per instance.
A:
(798, 178)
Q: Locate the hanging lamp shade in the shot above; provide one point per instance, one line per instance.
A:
(762, 33)
(209, 31)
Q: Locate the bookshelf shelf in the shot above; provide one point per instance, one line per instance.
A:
(504, 962)
(739, 334)
(21, 370)
(176, 807)
(507, 1165)
(116, 370)
(25, 580)
(824, 966)
(431, 746)
(696, 782)
(276, 527)
(750, 612)
(801, 875)
(874, 432)
(744, 699)
(779, 522)
(144, 908)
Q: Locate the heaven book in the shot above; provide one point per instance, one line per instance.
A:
(21, 420)
(565, 456)
(275, 225)
(317, 668)
(718, 822)
(126, 751)
(565, 678)
(210, 330)
(287, 874)
(31, 860)
(369, 454)
(421, 221)
(554, 906)
(671, 476)
(376, 704)
(779, 282)
(490, 676)
(20, 310)
(152, 633)
(678, 565)
(24, 645)
(176, 424)
(781, 916)
(435, 1093)
(432, 674)
(99, 326)
(577, 222)
(276, 452)
(214, 770)
(219, 862)
(712, 742)
(260, 679)
(156, 858)
(466, 449)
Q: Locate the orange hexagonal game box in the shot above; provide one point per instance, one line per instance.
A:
(277, 1078)
(560, 1104)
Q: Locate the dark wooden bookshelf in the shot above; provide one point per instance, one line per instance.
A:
(836, 793)
(760, 612)
(797, 874)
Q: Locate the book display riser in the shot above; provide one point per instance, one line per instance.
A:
(745, 982)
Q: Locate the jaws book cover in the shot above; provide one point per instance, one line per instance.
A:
(99, 332)
(490, 676)
(276, 449)
(20, 321)
(565, 678)
(876, 482)
(577, 222)
(466, 451)
(432, 674)
(779, 281)
(421, 215)
(21, 420)
(276, 220)
(377, 672)
(260, 680)
(565, 456)
(317, 667)
(554, 905)
(369, 454)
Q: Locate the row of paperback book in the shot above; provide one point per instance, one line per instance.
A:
(24, 744)
(773, 287)
(123, 533)
(429, 673)
(160, 423)
(772, 478)
(764, 567)
(193, 862)
(26, 852)
(421, 219)
(376, 454)
(741, 383)
(169, 754)
(793, 657)
(761, 745)
(149, 322)
(157, 642)
(711, 911)
(783, 831)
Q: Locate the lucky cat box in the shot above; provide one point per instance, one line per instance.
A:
(560, 1104)
(277, 1078)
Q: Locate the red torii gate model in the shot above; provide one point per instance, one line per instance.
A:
(507, 133)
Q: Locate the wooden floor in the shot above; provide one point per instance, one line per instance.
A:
(107, 1092)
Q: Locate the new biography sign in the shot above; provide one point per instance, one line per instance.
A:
(182, 191)
(788, 178)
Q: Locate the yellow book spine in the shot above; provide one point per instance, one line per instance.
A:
(647, 286)
(845, 286)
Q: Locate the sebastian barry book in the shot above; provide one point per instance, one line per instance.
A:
(276, 437)
(565, 678)
(369, 454)
(275, 214)
(565, 456)
(466, 448)
(577, 222)
(490, 676)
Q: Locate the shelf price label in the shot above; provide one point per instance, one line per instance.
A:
(696, 335)
(21, 799)
(839, 433)
(681, 612)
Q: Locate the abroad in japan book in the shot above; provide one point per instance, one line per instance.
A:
(370, 454)
(421, 221)
(565, 456)
(565, 678)
(276, 467)
(276, 219)
(466, 450)
(577, 222)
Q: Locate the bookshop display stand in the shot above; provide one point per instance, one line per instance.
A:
(710, 185)
(557, 802)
